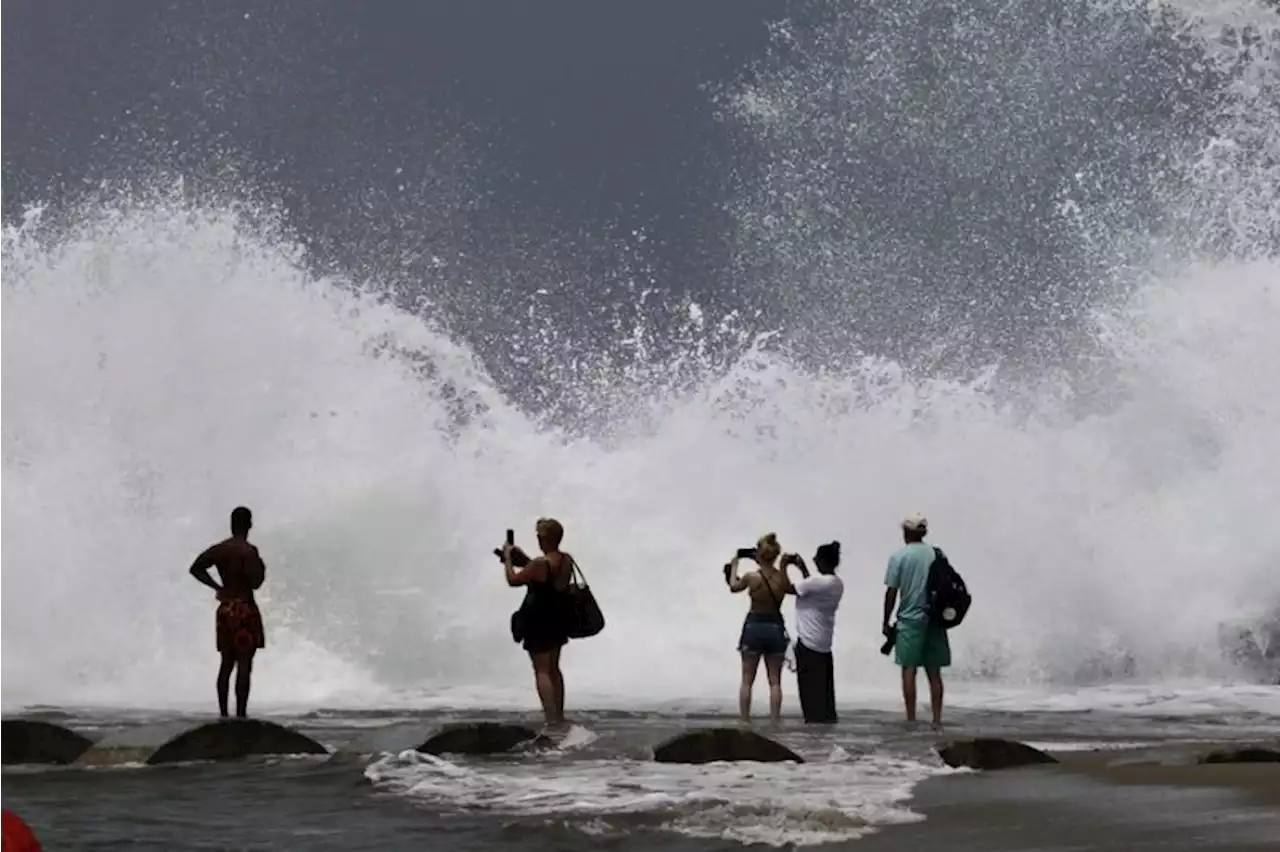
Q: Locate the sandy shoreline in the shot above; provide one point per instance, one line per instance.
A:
(1109, 799)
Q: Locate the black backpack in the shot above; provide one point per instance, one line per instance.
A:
(949, 597)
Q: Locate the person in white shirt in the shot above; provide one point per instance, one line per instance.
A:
(817, 598)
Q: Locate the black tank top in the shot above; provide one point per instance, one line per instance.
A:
(543, 598)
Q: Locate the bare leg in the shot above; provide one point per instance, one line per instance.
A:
(773, 668)
(558, 680)
(909, 691)
(224, 682)
(545, 682)
(750, 662)
(935, 694)
(244, 671)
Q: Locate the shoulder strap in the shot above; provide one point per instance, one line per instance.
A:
(941, 572)
(769, 588)
(574, 571)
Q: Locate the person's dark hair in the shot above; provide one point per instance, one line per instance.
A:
(241, 520)
(827, 555)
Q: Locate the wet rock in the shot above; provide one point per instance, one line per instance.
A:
(482, 738)
(35, 741)
(708, 745)
(988, 754)
(1249, 754)
(234, 739)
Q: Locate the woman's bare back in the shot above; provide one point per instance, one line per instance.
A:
(767, 590)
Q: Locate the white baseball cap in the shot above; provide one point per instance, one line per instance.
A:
(915, 522)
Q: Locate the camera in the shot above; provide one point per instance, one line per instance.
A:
(518, 557)
(890, 637)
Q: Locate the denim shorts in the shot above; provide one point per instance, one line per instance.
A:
(763, 634)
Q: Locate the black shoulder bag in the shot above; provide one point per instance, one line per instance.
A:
(583, 617)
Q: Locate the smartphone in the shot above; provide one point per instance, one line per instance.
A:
(746, 553)
(728, 570)
(511, 536)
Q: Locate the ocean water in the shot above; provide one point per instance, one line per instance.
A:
(598, 787)
(1063, 354)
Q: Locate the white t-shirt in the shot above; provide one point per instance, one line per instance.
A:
(816, 600)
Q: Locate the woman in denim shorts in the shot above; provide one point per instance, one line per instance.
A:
(763, 632)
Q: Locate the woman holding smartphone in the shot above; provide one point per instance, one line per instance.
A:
(543, 614)
(764, 635)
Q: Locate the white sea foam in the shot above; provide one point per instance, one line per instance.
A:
(776, 804)
(163, 363)
(124, 350)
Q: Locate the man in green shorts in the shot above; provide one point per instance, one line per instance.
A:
(917, 643)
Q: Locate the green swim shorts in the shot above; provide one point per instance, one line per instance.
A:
(919, 645)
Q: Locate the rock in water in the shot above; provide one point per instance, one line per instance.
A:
(1252, 754)
(233, 739)
(481, 738)
(34, 741)
(708, 745)
(989, 754)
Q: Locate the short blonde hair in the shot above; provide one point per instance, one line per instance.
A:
(551, 530)
(767, 547)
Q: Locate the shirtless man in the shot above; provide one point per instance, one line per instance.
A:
(238, 623)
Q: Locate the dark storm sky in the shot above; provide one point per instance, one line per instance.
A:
(475, 152)
(567, 114)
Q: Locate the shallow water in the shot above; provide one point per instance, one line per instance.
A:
(599, 787)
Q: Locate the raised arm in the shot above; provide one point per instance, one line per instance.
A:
(737, 583)
(800, 588)
(200, 568)
(788, 587)
(535, 571)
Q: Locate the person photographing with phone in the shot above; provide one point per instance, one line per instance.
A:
(542, 622)
(764, 634)
(817, 598)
